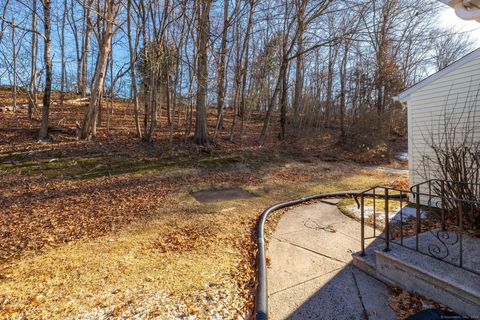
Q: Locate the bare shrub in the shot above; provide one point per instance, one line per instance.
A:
(368, 130)
(398, 121)
(456, 159)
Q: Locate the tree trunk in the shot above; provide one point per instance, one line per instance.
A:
(168, 98)
(271, 104)
(329, 98)
(112, 90)
(33, 71)
(86, 45)
(14, 58)
(150, 119)
(78, 54)
(298, 94)
(382, 56)
(89, 125)
(343, 80)
(48, 70)
(283, 106)
(236, 80)
(221, 68)
(246, 45)
(133, 79)
(201, 125)
(62, 53)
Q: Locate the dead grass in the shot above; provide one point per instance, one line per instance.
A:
(185, 254)
(71, 280)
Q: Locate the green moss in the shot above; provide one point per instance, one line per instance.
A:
(109, 166)
(253, 190)
(91, 166)
(85, 167)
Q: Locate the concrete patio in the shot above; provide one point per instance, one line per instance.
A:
(311, 275)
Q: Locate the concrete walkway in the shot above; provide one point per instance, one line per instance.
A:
(311, 275)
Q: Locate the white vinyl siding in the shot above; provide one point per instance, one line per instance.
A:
(454, 95)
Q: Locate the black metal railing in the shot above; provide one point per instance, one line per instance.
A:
(437, 218)
(375, 194)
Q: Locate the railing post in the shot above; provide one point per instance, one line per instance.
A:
(418, 228)
(442, 188)
(460, 225)
(374, 214)
(401, 217)
(387, 223)
(362, 223)
(430, 196)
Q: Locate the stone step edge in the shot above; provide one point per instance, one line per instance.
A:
(454, 288)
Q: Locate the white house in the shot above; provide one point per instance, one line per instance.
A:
(451, 95)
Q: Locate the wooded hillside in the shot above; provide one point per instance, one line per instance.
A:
(297, 67)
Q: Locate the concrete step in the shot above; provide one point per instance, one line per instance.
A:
(366, 263)
(449, 285)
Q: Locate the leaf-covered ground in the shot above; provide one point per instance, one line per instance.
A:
(108, 229)
(406, 304)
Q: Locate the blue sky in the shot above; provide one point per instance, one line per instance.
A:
(447, 19)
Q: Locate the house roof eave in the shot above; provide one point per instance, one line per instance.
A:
(405, 95)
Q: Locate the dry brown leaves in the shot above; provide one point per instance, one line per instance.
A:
(246, 272)
(38, 212)
(409, 227)
(406, 304)
(184, 239)
(400, 183)
(43, 213)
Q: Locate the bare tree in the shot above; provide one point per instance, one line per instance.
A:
(449, 47)
(203, 30)
(316, 65)
(72, 22)
(48, 68)
(299, 70)
(289, 39)
(221, 67)
(246, 45)
(133, 47)
(32, 87)
(86, 31)
(62, 53)
(14, 62)
(105, 21)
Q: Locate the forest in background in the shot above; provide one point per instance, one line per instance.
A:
(293, 68)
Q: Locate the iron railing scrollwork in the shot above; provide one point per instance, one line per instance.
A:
(438, 218)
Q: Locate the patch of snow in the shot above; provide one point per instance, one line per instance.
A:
(406, 212)
(402, 156)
